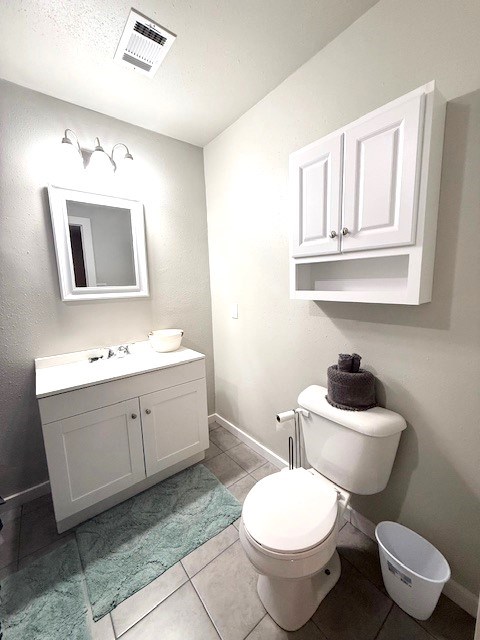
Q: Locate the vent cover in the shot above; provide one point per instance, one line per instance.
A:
(143, 44)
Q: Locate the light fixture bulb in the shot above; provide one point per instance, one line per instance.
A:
(100, 165)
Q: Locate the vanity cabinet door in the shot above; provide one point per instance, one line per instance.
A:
(315, 189)
(382, 163)
(94, 455)
(175, 424)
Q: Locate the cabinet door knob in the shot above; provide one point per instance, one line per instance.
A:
(134, 416)
(148, 411)
(333, 234)
(345, 231)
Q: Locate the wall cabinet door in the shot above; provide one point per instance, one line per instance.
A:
(175, 424)
(381, 169)
(94, 455)
(315, 183)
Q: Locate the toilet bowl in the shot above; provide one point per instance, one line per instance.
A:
(289, 531)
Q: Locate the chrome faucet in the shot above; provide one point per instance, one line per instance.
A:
(123, 349)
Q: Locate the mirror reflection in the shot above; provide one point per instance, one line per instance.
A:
(102, 245)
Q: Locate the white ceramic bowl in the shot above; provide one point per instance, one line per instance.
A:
(165, 340)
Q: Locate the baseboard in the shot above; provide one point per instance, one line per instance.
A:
(461, 596)
(212, 417)
(252, 443)
(27, 495)
(453, 590)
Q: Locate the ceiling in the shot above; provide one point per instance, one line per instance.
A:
(228, 55)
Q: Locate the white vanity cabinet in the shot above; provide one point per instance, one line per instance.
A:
(172, 422)
(364, 204)
(94, 455)
(114, 428)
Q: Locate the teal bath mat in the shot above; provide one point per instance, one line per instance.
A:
(128, 546)
(46, 600)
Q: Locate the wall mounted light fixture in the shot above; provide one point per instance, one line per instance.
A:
(100, 163)
(71, 154)
(123, 164)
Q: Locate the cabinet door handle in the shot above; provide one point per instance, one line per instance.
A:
(134, 416)
(333, 234)
(148, 411)
(345, 231)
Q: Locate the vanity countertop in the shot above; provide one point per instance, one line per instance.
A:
(58, 374)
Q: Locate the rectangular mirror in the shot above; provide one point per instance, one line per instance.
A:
(100, 245)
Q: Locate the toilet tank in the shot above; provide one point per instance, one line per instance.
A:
(354, 449)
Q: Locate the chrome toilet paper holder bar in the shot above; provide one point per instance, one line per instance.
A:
(294, 444)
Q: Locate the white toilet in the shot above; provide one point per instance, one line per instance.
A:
(290, 519)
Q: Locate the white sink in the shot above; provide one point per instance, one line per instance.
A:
(56, 374)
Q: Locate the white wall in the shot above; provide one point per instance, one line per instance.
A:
(33, 319)
(427, 358)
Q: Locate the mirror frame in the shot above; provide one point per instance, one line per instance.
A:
(58, 197)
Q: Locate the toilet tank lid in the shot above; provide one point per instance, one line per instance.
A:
(376, 422)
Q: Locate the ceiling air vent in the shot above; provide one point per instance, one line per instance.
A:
(143, 44)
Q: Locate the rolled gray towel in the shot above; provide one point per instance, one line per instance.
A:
(345, 362)
(356, 359)
(351, 390)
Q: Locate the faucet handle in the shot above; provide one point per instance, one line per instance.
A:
(111, 353)
(123, 348)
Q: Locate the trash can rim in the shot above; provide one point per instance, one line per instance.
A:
(403, 565)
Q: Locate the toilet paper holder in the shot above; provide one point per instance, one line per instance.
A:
(294, 444)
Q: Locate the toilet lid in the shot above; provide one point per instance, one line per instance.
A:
(290, 511)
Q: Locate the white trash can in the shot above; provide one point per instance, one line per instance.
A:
(413, 570)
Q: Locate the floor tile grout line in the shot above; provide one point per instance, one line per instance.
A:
(236, 445)
(249, 472)
(19, 537)
(151, 610)
(316, 625)
(252, 630)
(63, 536)
(217, 556)
(189, 579)
(364, 575)
(384, 621)
(239, 464)
(247, 475)
(197, 592)
(212, 458)
(205, 608)
(429, 633)
(426, 630)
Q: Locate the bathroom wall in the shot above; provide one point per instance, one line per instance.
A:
(33, 319)
(427, 358)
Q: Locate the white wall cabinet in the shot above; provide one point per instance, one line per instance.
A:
(108, 439)
(381, 169)
(316, 186)
(364, 204)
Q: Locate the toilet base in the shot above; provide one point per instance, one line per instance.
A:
(291, 603)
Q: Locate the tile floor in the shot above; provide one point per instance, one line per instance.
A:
(211, 593)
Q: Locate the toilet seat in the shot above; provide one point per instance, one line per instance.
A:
(290, 511)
